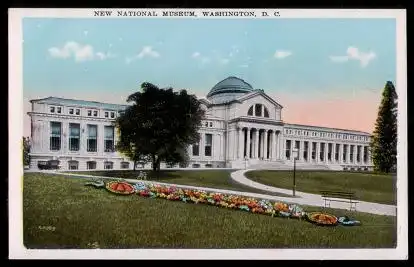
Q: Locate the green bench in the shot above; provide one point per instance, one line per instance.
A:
(338, 196)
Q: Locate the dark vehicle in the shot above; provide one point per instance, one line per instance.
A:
(48, 165)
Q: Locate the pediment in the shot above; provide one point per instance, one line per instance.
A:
(259, 93)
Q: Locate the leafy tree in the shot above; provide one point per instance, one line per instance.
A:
(384, 141)
(26, 151)
(159, 125)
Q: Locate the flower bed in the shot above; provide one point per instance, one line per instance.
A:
(322, 218)
(121, 188)
(236, 202)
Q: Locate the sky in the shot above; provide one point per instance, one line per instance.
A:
(324, 72)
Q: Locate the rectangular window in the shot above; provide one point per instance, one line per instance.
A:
(89, 112)
(288, 144)
(77, 111)
(109, 138)
(329, 151)
(305, 150)
(71, 111)
(337, 152)
(95, 113)
(73, 165)
(196, 149)
(59, 110)
(358, 155)
(74, 136)
(297, 146)
(52, 109)
(55, 135)
(352, 153)
(108, 165)
(124, 165)
(345, 151)
(322, 151)
(106, 114)
(258, 110)
(365, 154)
(313, 150)
(92, 138)
(91, 165)
(112, 115)
(208, 145)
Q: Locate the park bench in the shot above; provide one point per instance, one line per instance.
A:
(338, 196)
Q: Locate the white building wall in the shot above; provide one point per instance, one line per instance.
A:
(225, 142)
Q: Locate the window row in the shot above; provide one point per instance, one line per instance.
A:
(91, 165)
(77, 111)
(208, 124)
(207, 146)
(259, 110)
(326, 134)
(75, 137)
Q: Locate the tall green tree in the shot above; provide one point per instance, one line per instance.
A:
(26, 151)
(159, 125)
(384, 141)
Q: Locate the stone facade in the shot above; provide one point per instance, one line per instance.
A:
(243, 128)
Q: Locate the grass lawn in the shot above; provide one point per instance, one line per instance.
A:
(61, 212)
(206, 178)
(370, 187)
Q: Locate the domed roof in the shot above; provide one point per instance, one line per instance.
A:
(231, 85)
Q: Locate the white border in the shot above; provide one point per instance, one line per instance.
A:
(18, 251)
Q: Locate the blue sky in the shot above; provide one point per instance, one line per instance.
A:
(108, 59)
(243, 48)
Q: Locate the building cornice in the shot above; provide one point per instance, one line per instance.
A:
(321, 128)
(257, 121)
(64, 116)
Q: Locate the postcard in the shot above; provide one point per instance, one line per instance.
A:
(207, 134)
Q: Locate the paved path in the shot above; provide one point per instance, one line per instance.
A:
(301, 198)
(313, 199)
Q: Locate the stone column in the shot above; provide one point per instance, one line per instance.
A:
(333, 154)
(318, 151)
(265, 135)
(355, 154)
(273, 146)
(281, 146)
(256, 144)
(241, 142)
(369, 159)
(248, 143)
(325, 156)
(201, 149)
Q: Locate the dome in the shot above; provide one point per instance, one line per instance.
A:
(228, 90)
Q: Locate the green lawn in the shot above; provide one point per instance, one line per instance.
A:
(207, 178)
(370, 187)
(61, 212)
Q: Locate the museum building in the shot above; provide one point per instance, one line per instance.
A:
(243, 128)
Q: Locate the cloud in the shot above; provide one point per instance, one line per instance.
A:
(103, 56)
(195, 55)
(353, 53)
(78, 51)
(147, 51)
(201, 58)
(279, 54)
